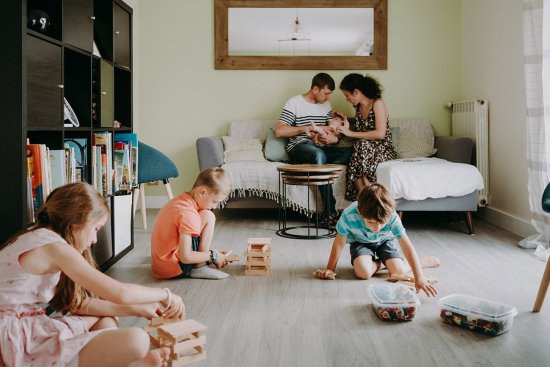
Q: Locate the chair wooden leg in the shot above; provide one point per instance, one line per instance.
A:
(168, 189)
(143, 209)
(135, 199)
(543, 288)
(470, 223)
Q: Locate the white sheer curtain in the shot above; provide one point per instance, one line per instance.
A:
(536, 56)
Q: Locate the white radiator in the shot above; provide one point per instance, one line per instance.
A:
(471, 119)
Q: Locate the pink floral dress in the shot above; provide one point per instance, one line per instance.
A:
(28, 337)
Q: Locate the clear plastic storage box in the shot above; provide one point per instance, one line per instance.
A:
(477, 314)
(394, 302)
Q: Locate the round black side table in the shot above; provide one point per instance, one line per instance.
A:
(308, 175)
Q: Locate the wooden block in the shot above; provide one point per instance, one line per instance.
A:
(154, 340)
(258, 248)
(259, 241)
(232, 258)
(181, 329)
(181, 347)
(157, 321)
(152, 330)
(258, 255)
(254, 262)
(183, 361)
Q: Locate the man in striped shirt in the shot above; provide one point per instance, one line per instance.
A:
(301, 114)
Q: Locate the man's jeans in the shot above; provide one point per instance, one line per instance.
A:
(327, 154)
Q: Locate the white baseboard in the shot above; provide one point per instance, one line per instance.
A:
(506, 221)
(493, 216)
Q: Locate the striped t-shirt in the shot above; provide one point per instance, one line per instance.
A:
(352, 225)
(299, 112)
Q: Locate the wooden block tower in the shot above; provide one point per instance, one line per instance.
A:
(182, 337)
(258, 256)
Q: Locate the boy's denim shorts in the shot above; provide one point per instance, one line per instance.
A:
(380, 251)
(186, 268)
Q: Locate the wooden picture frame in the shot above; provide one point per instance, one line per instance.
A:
(376, 61)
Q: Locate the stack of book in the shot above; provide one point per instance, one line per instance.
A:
(112, 168)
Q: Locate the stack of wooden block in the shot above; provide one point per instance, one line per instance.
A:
(182, 337)
(258, 256)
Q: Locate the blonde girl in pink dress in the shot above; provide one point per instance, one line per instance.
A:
(51, 263)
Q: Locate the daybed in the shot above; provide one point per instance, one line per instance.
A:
(434, 173)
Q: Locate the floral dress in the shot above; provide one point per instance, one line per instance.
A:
(28, 337)
(367, 154)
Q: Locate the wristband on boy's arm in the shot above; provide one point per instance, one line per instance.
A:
(213, 257)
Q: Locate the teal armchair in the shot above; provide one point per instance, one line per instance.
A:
(152, 166)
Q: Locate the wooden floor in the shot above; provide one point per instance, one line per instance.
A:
(289, 318)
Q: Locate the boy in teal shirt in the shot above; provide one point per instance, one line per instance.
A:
(376, 237)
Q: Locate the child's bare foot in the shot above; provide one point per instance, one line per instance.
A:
(155, 358)
(425, 262)
(429, 262)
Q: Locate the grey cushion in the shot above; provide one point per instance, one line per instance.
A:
(394, 136)
(275, 148)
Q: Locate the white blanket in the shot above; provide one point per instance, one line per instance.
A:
(255, 178)
(421, 178)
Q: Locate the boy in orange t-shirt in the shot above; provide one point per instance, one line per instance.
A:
(181, 239)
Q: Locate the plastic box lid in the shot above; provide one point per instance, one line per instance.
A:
(393, 295)
(476, 306)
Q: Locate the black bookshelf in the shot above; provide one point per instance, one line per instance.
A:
(49, 60)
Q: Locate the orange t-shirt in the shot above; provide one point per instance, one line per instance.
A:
(179, 216)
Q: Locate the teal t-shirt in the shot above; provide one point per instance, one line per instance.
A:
(352, 225)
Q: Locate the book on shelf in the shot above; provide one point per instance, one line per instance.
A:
(30, 204)
(122, 169)
(34, 169)
(80, 147)
(70, 164)
(58, 168)
(129, 141)
(103, 139)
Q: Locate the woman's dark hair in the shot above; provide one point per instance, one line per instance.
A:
(364, 84)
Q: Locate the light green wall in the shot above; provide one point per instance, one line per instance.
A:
(492, 68)
(182, 96)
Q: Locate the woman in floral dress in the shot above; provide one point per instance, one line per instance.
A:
(371, 128)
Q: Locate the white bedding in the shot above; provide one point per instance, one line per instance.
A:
(421, 178)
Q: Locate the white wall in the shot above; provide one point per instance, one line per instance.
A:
(492, 68)
(182, 96)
